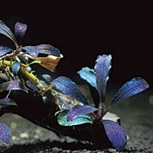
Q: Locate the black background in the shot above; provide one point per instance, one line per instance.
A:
(85, 30)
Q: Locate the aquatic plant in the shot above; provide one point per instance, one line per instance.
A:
(59, 103)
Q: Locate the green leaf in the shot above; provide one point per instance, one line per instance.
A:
(83, 119)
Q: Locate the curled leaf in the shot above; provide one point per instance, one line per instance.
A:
(102, 67)
(6, 31)
(4, 133)
(79, 110)
(88, 75)
(49, 50)
(68, 87)
(4, 50)
(7, 102)
(130, 88)
(83, 119)
(15, 67)
(47, 78)
(115, 134)
(13, 85)
(19, 30)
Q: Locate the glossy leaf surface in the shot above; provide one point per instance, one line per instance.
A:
(68, 87)
(115, 134)
(49, 50)
(83, 119)
(6, 31)
(4, 50)
(130, 88)
(6, 102)
(4, 133)
(19, 30)
(32, 50)
(13, 85)
(79, 110)
(15, 67)
(102, 67)
(88, 75)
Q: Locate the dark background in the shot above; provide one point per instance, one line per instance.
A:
(84, 31)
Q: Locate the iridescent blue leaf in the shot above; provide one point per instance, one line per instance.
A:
(68, 87)
(130, 88)
(32, 50)
(15, 67)
(88, 75)
(13, 85)
(83, 119)
(19, 30)
(102, 67)
(115, 134)
(4, 50)
(79, 110)
(49, 50)
(4, 133)
(6, 31)
(6, 102)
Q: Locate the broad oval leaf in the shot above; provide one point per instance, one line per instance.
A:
(130, 88)
(102, 68)
(4, 50)
(4, 133)
(15, 67)
(7, 102)
(13, 85)
(68, 87)
(115, 134)
(88, 75)
(83, 119)
(6, 31)
(19, 30)
(49, 50)
(79, 110)
(32, 51)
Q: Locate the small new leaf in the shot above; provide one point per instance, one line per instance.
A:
(15, 67)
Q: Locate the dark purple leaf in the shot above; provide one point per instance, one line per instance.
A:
(102, 67)
(49, 50)
(15, 67)
(6, 102)
(32, 50)
(13, 85)
(19, 30)
(4, 50)
(115, 134)
(4, 133)
(79, 110)
(68, 87)
(6, 31)
(130, 88)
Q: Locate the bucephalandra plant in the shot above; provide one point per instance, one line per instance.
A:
(59, 104)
